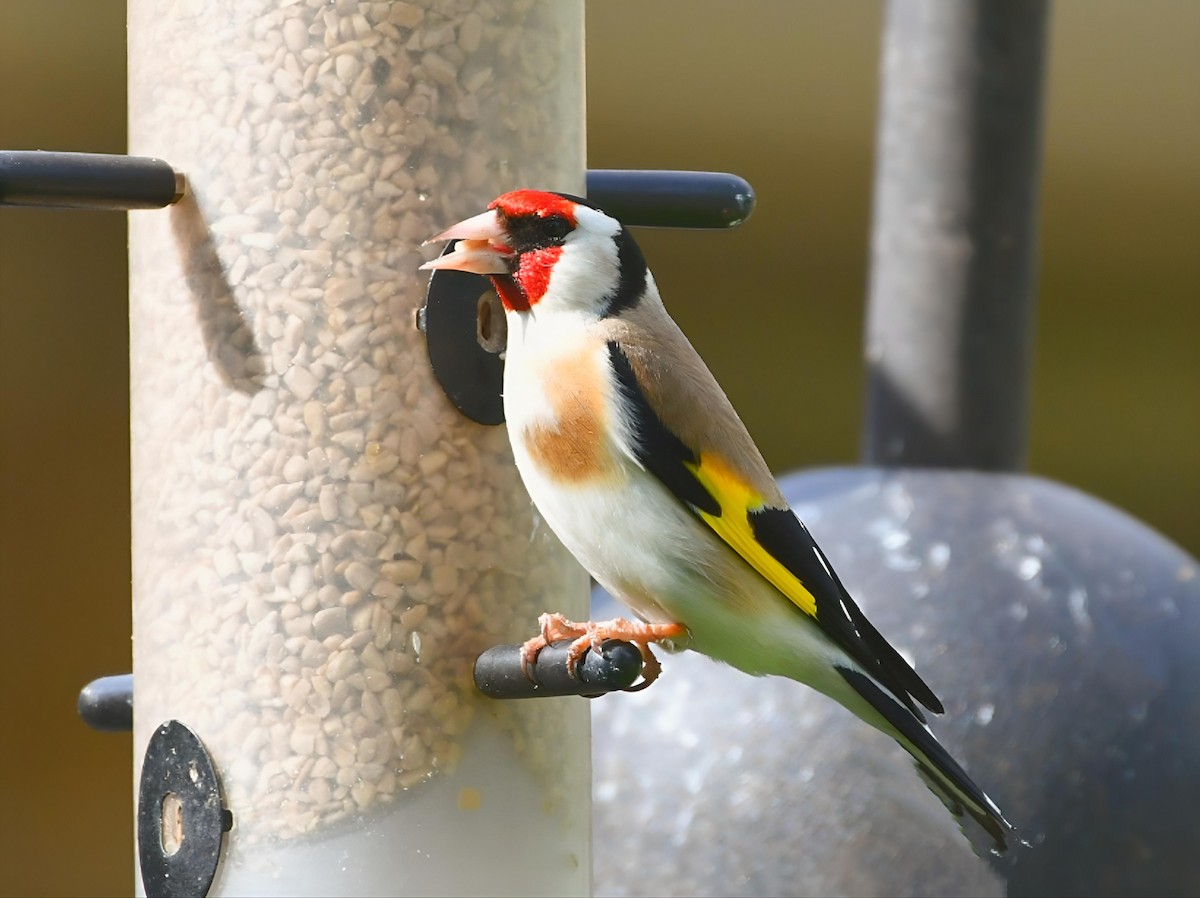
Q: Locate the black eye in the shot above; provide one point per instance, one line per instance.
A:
(533, 232)
(556, 227)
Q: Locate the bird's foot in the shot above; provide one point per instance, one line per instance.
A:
(592, 634)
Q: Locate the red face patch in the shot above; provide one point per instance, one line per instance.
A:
(533, 274)
(527, 285)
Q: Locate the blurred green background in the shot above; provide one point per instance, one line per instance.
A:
(781, 93)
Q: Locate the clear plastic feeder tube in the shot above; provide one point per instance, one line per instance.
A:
(321, 542)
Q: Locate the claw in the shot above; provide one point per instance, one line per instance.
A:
(551, 627)
(650, 669)
(592, 634)
(529, 652)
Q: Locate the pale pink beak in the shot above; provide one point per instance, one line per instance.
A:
(480, 248)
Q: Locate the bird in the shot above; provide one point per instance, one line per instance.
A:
(636, 459)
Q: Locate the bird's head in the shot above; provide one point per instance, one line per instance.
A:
(549, 251)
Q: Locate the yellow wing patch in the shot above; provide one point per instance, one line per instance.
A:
(737, 499)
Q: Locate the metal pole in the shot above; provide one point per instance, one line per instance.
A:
(952, 252)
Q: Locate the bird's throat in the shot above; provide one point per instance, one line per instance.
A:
(512, 297)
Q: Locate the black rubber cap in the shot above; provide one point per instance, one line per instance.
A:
(107, 703)
(614, 668)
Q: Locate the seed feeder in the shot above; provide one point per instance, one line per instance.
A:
(321, 543)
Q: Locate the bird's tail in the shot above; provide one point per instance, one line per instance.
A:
(965, 800)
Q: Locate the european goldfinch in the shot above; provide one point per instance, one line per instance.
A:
(635, 458)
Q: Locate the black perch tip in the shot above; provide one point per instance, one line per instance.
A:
(107, 703)
(614, 668)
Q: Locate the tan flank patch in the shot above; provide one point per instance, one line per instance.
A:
(572, 448)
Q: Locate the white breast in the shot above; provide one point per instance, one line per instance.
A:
(620, 523)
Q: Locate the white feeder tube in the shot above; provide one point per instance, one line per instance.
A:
(321, 542)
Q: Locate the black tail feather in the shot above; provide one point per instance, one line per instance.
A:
(944, 776)
(892, 662)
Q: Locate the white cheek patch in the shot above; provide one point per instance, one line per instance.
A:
(582, 278)
(588, 269)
